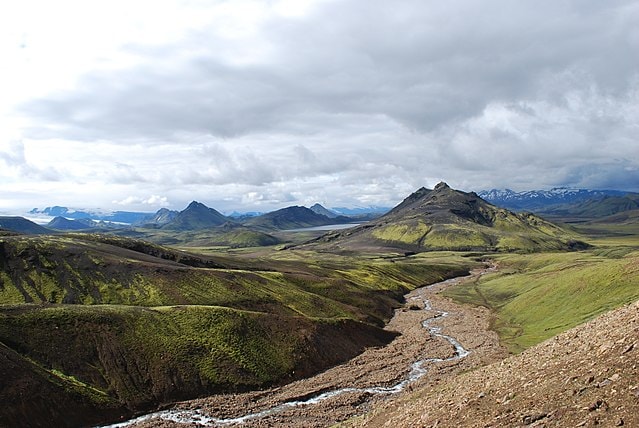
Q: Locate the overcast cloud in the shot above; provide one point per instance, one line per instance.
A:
(255, 105)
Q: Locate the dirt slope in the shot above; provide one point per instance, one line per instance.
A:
(586, 376)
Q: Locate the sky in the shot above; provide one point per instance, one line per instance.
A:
(256, 105)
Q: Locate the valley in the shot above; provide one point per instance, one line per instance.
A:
(427, 350)
(98, 326)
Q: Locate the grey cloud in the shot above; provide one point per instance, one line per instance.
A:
(122, 173)
(621, 175)
(15, 159)
(373, 99)
(213, 164)
(423, 64)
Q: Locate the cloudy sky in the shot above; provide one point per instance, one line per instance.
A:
(256, 105)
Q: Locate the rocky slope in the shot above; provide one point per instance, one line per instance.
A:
(586, 376)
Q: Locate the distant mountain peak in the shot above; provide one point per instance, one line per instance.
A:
(21, 225)
(62, 223)
(294, 217)
(195, 205)
(160, 218)
(441, 186)
(196, 216)
(320, 209)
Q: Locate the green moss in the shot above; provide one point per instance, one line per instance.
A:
(9, 293)
(537, 296)
(78, 385)
(224, 345)
(406, 233)
(457, 237)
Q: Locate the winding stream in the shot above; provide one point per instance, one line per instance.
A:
(418, 370)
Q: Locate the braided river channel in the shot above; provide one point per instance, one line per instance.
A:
(344, 390)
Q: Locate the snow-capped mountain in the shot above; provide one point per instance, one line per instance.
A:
(540, 199)
(126, 217)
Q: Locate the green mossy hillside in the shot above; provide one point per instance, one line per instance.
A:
(537, 296)
(141, 356)
(445, 219)
(115, 271)
(227, 236)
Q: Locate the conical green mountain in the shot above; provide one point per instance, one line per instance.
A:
(196, 216)
(292, 218)
(448, 219)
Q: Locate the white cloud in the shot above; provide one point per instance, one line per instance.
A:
(153, 200)
(12, 154)
(347, 102)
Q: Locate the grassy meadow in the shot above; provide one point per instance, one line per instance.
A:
(536, 296)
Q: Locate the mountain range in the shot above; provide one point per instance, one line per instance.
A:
(559, 201)
(128, 217)
(546, 200)
(594, 208)
(441, 218)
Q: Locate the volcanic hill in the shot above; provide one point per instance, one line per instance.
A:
(196, 216)
(293, 218)
(448, 219)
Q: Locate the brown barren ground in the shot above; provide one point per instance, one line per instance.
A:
(587, 376)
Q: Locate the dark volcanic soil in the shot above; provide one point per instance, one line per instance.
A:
(383, 366)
